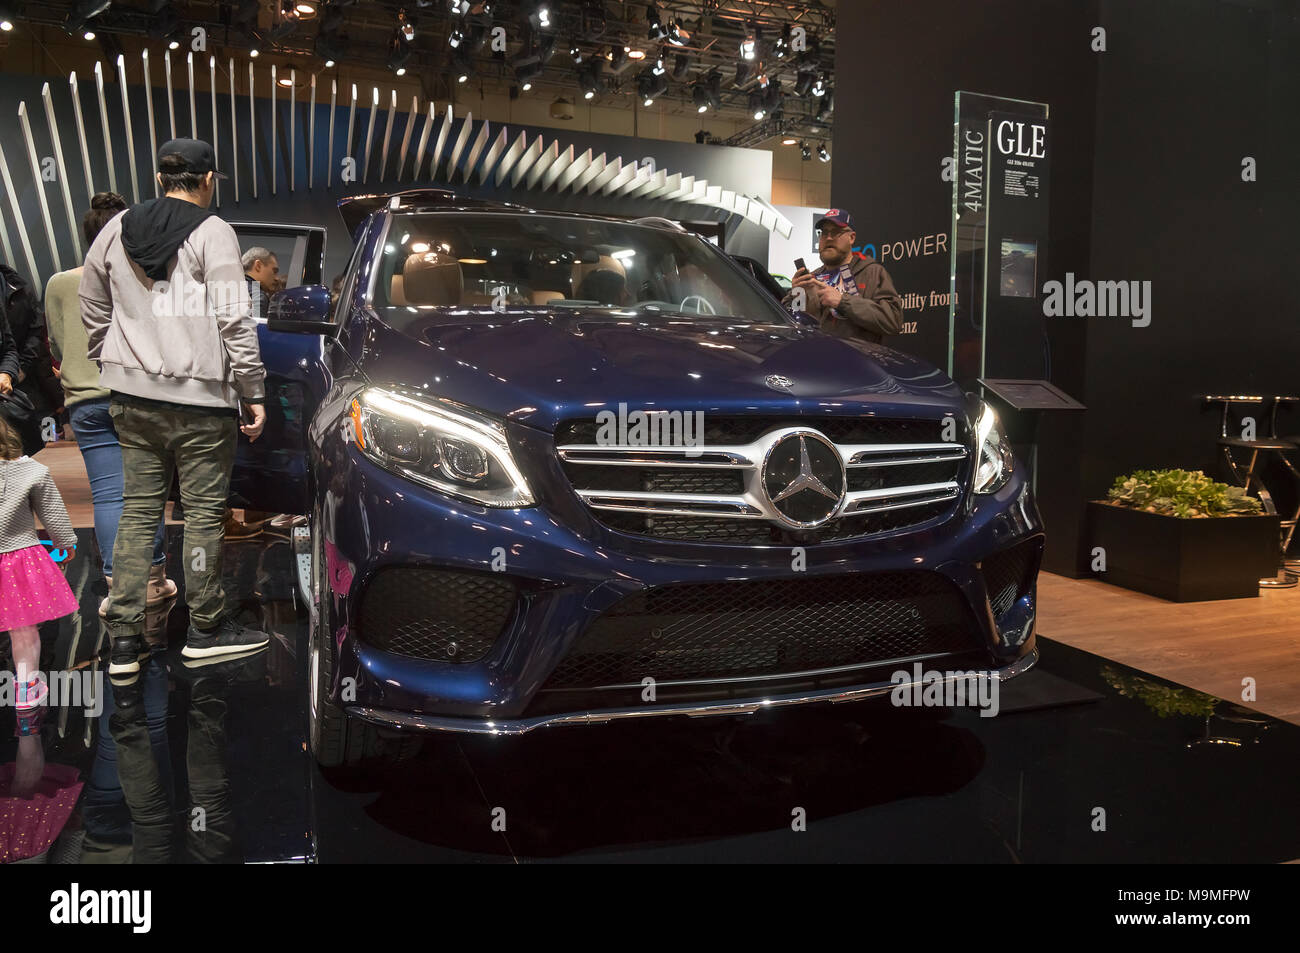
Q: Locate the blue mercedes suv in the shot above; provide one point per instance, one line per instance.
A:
(566, 469)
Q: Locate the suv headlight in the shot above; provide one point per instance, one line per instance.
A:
(448, 447)
(995, 457)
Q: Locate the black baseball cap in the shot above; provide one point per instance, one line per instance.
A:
(197, 154)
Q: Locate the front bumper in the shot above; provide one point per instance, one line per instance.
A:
(517, 726)
(572, 573)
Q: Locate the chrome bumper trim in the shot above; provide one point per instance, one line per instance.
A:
(746, 706)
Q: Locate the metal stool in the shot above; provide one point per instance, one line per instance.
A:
(1249, 477)
(1289, 460)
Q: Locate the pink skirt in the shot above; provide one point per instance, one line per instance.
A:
(32, 589)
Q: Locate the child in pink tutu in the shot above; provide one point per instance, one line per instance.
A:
(32, 589)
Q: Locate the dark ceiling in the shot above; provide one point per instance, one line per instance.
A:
(588, 42)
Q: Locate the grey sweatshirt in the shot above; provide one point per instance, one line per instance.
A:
(26, 486)
(189, 339)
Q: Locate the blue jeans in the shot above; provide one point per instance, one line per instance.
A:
(97, 441)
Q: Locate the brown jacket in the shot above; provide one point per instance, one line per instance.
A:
(875, 311)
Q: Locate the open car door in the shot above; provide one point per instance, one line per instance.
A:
(271, 473)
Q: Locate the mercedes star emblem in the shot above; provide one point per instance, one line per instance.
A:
(803, 476)
(777, 382)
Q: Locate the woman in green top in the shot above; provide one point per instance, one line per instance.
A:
(87, 403)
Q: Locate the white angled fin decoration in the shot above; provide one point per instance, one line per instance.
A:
(476, 151)
(453, 161)
(493, 155)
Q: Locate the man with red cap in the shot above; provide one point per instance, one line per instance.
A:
(851, 294)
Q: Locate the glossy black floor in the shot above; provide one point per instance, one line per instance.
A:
(213, 766)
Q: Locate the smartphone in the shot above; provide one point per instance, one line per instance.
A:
(798, 263)
(246, 414)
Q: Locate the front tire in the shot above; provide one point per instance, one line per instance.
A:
(336, 739)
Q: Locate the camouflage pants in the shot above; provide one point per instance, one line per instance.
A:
(201, 448)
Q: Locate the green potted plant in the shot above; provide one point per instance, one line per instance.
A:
(1180, 535)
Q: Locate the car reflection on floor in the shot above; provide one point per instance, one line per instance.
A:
(1087, 761)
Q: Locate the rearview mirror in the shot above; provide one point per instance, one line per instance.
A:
(301, 310)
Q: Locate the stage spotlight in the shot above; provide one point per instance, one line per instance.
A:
(589, 79)
(617, 58)
(803, 83)
(462, 65)
(406, 25)
(635, 54)
(819, 87)
(781, 48)
(399, 51)
(749, 44)
(744, 73)
(681, 66)
(456, 38)
(789, 141)
(713, 88)
(332, 47)
(805, 151)
(541, 16)
(306, 9)
(757, 104)
(659, 69)
(650, 87)
(254, 52)
(82, 13)
(288, 21)
(827, 106)
(823, 154)
(701, 137)
(654, 22)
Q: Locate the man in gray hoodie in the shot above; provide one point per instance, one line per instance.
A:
(167, 316)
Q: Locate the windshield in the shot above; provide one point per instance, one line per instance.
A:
(512, 261)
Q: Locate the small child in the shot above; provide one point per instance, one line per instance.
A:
(32, 589)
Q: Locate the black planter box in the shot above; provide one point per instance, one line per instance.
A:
(1185, 560)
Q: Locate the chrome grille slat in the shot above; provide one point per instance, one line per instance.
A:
(673, 504)
(598, 455)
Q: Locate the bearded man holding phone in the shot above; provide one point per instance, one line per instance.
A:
(851, 294)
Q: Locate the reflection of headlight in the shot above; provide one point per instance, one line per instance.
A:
(996, 458)
(452, 449)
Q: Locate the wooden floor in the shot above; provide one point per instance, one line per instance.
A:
(1210, 646)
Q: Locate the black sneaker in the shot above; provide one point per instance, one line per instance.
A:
(229, 636)
(126, 654)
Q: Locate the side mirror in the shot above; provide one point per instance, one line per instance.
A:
(301, 310)
(804, 319)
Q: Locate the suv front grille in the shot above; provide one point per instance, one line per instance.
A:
(899, 474)
(768, 628)
(435, 614)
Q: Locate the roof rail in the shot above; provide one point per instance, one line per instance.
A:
(660, 222)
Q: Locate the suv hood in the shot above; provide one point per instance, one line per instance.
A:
(545, 366)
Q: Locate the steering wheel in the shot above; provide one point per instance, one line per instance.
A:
(703, 304)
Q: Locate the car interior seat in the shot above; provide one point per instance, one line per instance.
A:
(429, 278)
